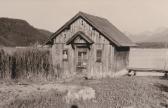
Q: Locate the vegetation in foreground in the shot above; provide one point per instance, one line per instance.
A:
(124, 92)
(27, 63)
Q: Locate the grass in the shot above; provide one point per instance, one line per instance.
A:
(136, 92)
(26, 63)
(124, 92)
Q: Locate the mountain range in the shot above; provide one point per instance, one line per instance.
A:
(154, 39)
(17, 32)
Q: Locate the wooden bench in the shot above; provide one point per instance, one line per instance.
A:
(134, 70)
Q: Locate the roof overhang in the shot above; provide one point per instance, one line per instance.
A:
(81, 35)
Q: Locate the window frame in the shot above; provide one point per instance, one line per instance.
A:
(99, 55)
(63, 52)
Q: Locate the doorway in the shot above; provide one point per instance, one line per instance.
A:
(82, 59)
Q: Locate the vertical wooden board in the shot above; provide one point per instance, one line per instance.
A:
(87, 29)
(101, 39)
(107, 57)
(67, 36)
(88, 32)
(82, 27)
(91, 67)
(111, 62)
(56, 59)
(79, 25)
(101, 46)
(93, 55)
(97, 38)
(57, 38)
(60, 37)
(71, 60)
(114, 63)
(61, 56)
(94, 34)
(96, 66)
(117, 60)
(75, 25)
(89, 61)
(64, 63)
(72, 27)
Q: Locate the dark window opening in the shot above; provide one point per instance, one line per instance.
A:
(65, 55)
(64, 35)
(82, 23)
(99, 56)
(99, 36)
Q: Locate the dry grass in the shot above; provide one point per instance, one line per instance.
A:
(27, 63)
(123, 92)
(134, 92)
(82, 94)
(48, 95)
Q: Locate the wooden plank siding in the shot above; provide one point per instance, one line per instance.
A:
(111, 59)
(121, 57)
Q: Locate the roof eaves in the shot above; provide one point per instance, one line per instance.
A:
(83, 36)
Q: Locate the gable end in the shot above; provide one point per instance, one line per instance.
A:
(103, 26)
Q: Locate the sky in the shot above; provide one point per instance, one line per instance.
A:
(133, 16)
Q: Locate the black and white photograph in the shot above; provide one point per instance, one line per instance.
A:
(83, 53)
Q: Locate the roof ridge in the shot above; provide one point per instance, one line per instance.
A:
(80, 12)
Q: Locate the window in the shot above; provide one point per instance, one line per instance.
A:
(65, 55)
(82, 22)
(98, 56)
(64, 35)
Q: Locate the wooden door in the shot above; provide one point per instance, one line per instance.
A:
(82, 60)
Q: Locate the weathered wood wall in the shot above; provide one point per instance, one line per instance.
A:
(107, 66)
(121, 58)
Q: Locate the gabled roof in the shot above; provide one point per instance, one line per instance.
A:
(100, 24)
(81, 34)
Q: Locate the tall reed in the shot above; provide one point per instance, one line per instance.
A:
(27, 63)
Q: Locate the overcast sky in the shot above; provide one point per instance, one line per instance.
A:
(133, 16)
